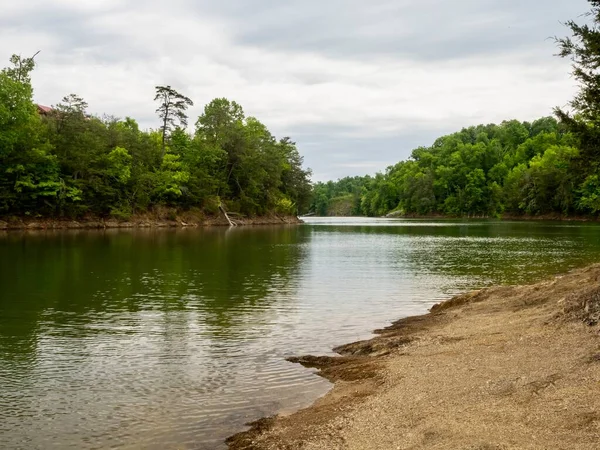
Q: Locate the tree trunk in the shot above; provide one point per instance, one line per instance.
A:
(231, 223)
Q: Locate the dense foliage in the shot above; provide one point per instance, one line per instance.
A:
(485, 170)
(64, 163)
(543, 167)
(61, 162)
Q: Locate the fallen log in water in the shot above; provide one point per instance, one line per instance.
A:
(231, 223)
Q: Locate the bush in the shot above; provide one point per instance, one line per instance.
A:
(285, 206)
(120, 213)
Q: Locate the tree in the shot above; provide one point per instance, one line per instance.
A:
(22, 68)
(583, 48)
(590, 195)
(295, 179)
(72, 104)
(67, 163)
(28, 172)
(171, 111)
(222, 125)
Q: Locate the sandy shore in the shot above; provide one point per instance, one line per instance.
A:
(514, 367)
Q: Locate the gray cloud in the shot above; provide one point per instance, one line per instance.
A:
(428, 29)
(357, 84)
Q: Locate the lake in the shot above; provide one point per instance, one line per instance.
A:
(175, 338)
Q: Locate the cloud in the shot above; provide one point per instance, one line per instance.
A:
(356, 84)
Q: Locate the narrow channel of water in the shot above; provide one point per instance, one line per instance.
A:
(175, 338)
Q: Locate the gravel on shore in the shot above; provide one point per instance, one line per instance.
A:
(512, 367)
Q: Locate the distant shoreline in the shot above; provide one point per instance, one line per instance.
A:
(183, 221)
(507, 217)
(503, 367)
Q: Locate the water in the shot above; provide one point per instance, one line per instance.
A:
(175, 338)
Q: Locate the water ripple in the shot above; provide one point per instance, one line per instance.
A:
(176, 339)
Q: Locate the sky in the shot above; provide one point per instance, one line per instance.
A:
(356, 84)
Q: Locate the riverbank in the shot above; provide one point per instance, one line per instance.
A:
(544, 217)
(516, 217)
(502, 368)
(144, 221)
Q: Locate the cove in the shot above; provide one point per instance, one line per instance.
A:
(176, 338)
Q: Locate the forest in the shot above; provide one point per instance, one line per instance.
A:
(61, 162)
(547, 167)
(488, 170)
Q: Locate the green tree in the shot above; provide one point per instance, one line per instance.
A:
(29, 177)
(69, 163)
(583, 48)
(171, 111)
(295, 180)
(21, 68)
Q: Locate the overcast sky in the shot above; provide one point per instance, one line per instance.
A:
(357, 84)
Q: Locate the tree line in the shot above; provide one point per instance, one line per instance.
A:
(60, 162)
(486, 170)
(548, 166)
(65, 163)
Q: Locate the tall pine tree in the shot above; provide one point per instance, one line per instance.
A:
(583, 48)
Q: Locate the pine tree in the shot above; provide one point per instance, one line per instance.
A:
(583, 48)
(171, 110)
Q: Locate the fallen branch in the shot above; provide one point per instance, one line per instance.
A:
(231, 223)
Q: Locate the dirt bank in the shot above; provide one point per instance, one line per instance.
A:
(502, 368)
(143, 221)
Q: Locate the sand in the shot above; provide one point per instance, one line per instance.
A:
(514, 367)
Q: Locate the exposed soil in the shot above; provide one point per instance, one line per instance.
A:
(143, 221)
(514, 367)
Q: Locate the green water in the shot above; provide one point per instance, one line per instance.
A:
(176, 338)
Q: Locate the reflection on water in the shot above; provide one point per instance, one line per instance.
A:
(176, 338)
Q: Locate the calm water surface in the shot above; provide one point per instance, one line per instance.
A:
(175, 338)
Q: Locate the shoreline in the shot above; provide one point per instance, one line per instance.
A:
(499, 368)
(146, 221)
(504, 217)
